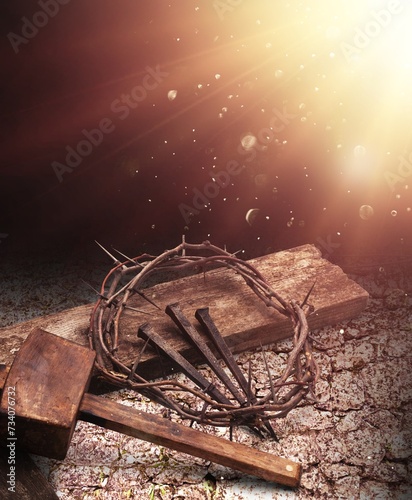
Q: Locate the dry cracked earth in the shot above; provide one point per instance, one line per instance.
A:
(354, 442)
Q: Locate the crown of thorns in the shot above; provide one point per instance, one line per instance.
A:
(232, 399)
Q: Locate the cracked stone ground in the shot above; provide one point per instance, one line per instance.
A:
(354, 442)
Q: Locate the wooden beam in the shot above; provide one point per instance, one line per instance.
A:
(244, 321)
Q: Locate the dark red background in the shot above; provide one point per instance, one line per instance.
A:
(66, 77)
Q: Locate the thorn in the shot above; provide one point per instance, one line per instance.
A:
(94, 289)
(138, 310)
(116, 261)
(147, 298)
(308, 294)
(128, 258)
(237, 251)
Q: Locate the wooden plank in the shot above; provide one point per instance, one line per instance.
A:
(244, 321)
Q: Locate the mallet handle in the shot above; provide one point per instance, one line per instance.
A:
(161, 431)
(43, 410)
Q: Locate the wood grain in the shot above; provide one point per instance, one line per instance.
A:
(48, 378)
(163, 432)
(242, 318)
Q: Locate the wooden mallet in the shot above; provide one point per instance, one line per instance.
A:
(46, 389)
